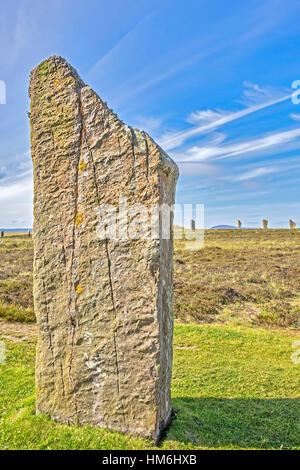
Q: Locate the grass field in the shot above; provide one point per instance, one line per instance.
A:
(234, 383)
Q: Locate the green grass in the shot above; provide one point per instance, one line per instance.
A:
(233, 387)
(16, 313)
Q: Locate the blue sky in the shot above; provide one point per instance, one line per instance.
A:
(210, 81)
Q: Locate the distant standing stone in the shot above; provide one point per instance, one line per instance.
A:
(103, 306)
(292, 224)
(192, 224)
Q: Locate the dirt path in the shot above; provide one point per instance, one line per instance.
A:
(17, 331)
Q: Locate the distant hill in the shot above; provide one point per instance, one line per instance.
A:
(223, 226)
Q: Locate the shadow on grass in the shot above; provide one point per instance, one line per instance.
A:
(236, 423)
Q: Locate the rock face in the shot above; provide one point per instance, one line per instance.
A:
(103, 304)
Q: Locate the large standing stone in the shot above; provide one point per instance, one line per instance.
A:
(103, 306)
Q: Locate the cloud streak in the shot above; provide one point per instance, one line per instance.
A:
(270, 142)
(172, 140)
(100, 65)
(256, 173)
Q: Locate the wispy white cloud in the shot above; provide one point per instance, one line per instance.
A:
(10, 191)
(256, 173)
(140, 83)
(198, 169)
(254, 86)
(172, 140)
(16, 189)
(18, 37)
(101, 65)
(295, 117)
(181, 65)
(182, 58)
(21, 167)
(273, 142)
(206, 116)
(16, 203)
(254, 94)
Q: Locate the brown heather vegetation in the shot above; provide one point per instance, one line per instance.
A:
(250, 276)
(239, 276)
(16, 257)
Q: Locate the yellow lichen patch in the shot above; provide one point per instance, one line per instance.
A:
(79, 289)
(57, 82)
(45, 68)
(78, 219)
(82, 166)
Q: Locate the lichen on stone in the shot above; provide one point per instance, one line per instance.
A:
(82, 166)
(78, 219)
(79, 289)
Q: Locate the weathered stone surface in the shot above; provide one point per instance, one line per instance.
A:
(103, 306)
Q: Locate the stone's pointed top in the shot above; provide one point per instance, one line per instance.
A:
(55, 60)
(53, 68)
(56, 76)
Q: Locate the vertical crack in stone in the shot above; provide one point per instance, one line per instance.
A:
(64, 250)
(133, 154)
(89, 149)
(62, 379)
(115, 325)
(72, 288)
(132, 145)
(147, 156)
(70, 371)
(64, 259)
(67, 275)
(48, 328)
